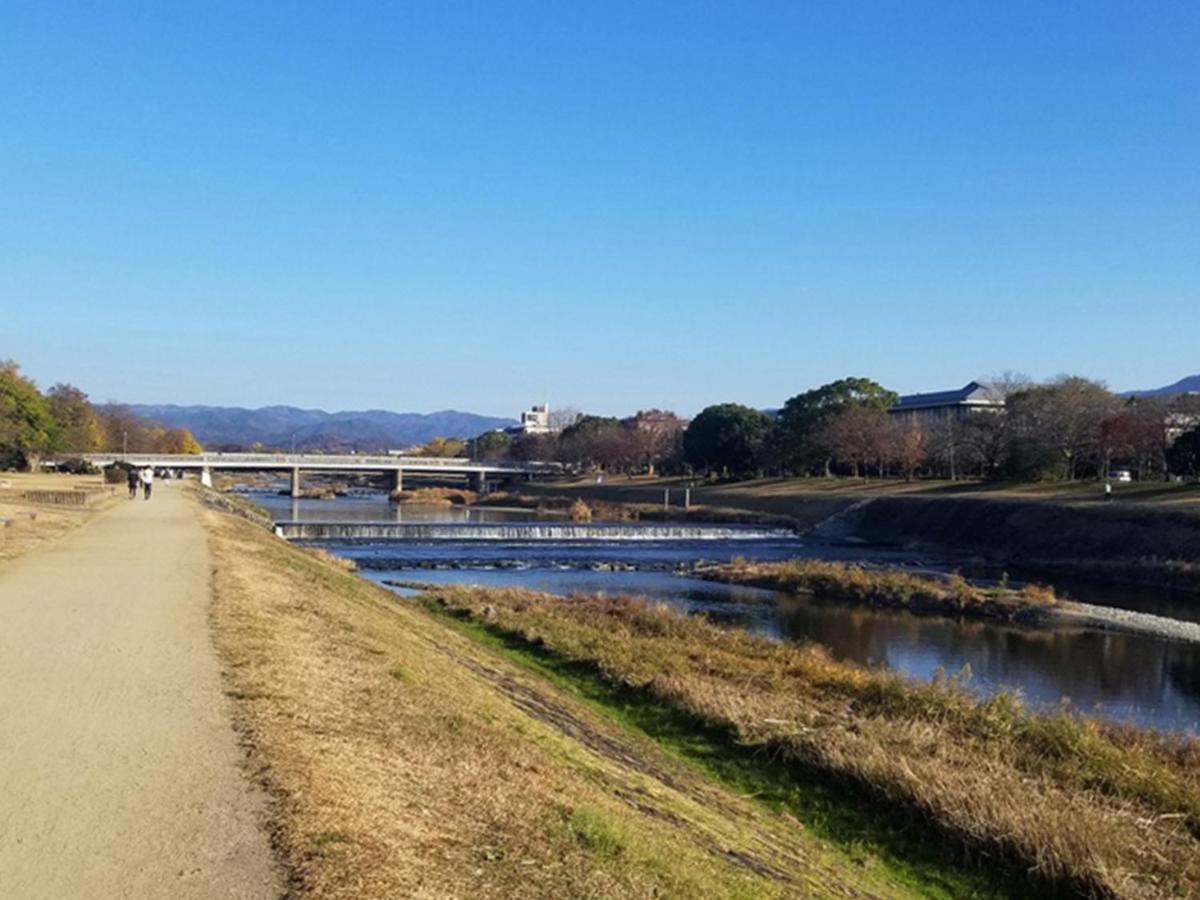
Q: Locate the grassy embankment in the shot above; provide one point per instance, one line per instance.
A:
(886, 588)
(1071, 806)
(31, 525)
(408, 757)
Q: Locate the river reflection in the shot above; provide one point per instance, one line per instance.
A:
(1146, 680)
(1128, 678)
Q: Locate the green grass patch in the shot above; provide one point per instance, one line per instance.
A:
(591, 828)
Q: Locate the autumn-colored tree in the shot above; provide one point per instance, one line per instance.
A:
(177, 440)
(27, 428)
(442, 447)
(79, 429)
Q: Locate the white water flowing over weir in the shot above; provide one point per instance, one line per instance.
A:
(520, 531)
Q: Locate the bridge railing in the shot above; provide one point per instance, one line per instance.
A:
(356, 461)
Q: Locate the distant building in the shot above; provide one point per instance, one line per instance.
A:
(940, 406)
(535, 420)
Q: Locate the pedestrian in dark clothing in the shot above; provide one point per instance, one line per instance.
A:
(133, 478)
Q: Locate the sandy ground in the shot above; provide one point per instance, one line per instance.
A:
(119, 769)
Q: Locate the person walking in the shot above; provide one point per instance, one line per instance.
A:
(133, 478)
(147, 477)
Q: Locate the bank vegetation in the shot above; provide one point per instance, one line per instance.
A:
(1068, 806)
(886, 588)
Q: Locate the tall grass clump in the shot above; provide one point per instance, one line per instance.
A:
(886, 588)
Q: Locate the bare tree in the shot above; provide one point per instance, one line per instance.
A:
(857, 437)
(563, 417)
(905, 448)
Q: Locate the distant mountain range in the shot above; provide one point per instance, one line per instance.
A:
(314, 429)
(1188, 385)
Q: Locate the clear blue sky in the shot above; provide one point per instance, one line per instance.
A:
(611, 205)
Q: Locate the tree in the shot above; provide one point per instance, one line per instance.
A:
(178, 440)
(655, 437)
(802, 425)
(124, 432)
(27, 428)
(442, 447)
(1136, 435)
(726, 437)
(1057, 427)
(593, 441)
(562, 418)
(534, 447)
(78, 426)
(492, 445)
(906, 447)
(1183, 457)
(856, 437)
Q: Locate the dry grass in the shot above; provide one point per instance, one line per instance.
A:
(1088, 809)
(405, 760)
(33, 525)
(885, 588)
(580, 512)
(434, 496)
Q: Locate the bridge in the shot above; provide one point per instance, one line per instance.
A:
(476, 472)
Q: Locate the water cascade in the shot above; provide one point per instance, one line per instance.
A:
(519, 531)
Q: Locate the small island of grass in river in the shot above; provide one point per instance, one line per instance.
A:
(886, 588)
(949, 595)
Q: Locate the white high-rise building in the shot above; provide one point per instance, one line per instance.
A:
(536, 420)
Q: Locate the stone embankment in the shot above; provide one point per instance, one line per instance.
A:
(1122, 543)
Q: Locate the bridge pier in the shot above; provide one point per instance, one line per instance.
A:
(296, 481)
(479, 483)
(398, 480)
(206, 476)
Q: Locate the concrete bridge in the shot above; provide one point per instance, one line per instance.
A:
(476, 473)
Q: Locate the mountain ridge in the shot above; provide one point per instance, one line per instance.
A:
(285, 426)
(1187, 385)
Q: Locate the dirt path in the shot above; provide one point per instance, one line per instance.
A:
(119, 770)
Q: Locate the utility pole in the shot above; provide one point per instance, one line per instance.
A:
(124, 443)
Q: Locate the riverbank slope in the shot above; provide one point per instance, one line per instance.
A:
(407, 757)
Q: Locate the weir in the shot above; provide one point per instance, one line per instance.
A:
(520, 531)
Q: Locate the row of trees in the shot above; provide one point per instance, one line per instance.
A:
(648, 441)
(1066, 428)
(62, 420)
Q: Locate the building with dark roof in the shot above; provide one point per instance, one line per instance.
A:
(938, 406)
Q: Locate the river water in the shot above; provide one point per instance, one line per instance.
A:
(1149, 681)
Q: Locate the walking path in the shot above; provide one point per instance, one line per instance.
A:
(119, 770)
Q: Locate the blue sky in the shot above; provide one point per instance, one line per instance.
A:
(611, 205)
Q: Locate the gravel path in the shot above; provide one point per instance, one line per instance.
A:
(119, 770)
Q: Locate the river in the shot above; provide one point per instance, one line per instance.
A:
(1148, 681)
